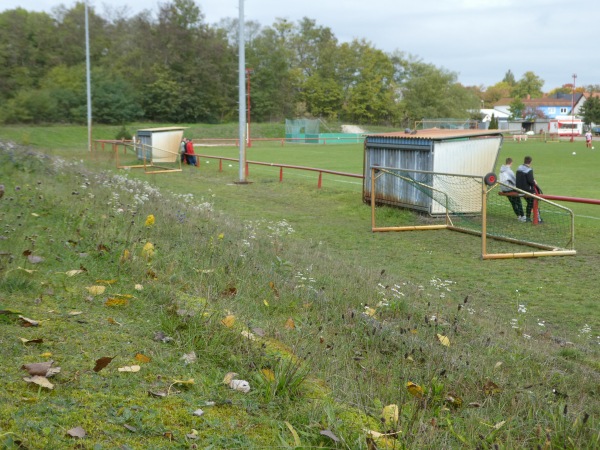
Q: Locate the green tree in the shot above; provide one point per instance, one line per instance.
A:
(517, 108)
(509, 78)
(493, 123)
(590, 111)
(530, 84)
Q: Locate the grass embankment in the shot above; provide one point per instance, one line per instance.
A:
(366, 314)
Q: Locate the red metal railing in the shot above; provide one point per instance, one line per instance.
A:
(283, 166)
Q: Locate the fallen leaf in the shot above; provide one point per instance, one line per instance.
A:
(40, 369)
(269, 374)
(25, 322)
(330, 435)
(138, 287)
(297, 442)
(491, 388)
(265, 302)
(168, 435)
(184, 382)
(26, 270)
(228, 321)
(32, 341)
(130, 428)
(129, 369)
(369, 311)
(248, 335)
(46, 355)
(116, 302)
(102, 248)
(106, 281)
(72, 273)
(414, 389)
(192, 435)
(259, 332)
(229, 292)
(289, 324)
(159, 394)
(126, 256)
(113, 321)
(390, 415)
(474, 405)
(96, 290)
(40, 381)
(198, 412)
(274, 289)
(189, 358)
(443, 340)
(33, 259)
(499, 425)
(35, 214)
(75, 313)
(453, 400)
(160, 336)
(77, 432)
(102, 363)
(142, 358)
(229, 377)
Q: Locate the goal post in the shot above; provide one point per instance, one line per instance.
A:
(470, 204)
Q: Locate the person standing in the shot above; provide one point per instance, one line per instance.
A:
(189, 153)
(588, 139)
(507, 176)
(526, 182)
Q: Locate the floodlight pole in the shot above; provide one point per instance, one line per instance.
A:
(248, 73)
(88, 78)
(242, 94)
(573, 109)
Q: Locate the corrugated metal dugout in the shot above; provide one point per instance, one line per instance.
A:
(162, 144)
(461, 152)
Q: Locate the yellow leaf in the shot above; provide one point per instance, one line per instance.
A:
(40, 381)
(113, 321)
(228, 377)
(116, 302)
(142, 358)
(126, 256)
(289, 324)
(46, 355)
(72, 273)
(221, 235)
(369, 311)
(96, 290)
(148, 250)
(413, 331)
(106, 281)
(75, 313)
(189, 381)
(269, 374)
(414, 389)
(129, 369)
(453, 400)
(297, 442)
(390, 415)
(491, 388)
(149, 220)
(228, 321)
(443, 340)
(123, 295)
(266, 302)
(35, 214)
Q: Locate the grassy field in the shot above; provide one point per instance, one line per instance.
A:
(341, 320)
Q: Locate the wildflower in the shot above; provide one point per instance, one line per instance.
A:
(150, 220)
(522, 309)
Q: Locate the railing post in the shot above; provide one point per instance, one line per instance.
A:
(220, 165)
(280, 174)
(247, 169)
(320, 180)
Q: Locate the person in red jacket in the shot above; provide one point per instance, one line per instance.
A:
(190, 156)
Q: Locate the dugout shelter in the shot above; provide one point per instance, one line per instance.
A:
(449, 151)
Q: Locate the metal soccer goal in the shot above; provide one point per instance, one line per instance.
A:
(474, 205)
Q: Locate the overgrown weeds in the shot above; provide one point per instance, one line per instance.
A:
(349, 352)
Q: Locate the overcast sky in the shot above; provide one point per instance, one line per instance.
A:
(478, 39)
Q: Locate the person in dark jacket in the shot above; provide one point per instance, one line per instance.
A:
(526, 182)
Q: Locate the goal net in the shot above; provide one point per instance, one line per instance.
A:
(470, 204)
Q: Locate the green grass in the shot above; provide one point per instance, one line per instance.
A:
(231, 251)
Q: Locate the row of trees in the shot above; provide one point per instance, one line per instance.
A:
(176, 68)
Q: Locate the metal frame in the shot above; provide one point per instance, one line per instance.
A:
(544, 250)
